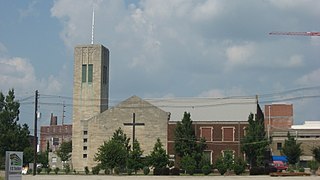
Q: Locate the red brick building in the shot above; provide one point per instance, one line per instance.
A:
(221, 121)
(279, 117)
(54, 134)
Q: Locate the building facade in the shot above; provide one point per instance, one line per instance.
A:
(307, 134)
(278, 117)
(221, 122)
(90, 92)
(54, 134)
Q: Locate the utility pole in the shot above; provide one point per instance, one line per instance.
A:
(63, 111)
(35, 142)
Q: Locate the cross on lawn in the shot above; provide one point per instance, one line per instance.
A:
(133, 124)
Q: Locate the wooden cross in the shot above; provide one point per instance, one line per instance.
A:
(133, 124)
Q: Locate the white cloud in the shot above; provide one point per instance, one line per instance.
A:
(19, 73)
(310, 79)
(207, 10)
(16, 73)
(240, 54)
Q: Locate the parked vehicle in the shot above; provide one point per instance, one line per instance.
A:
(280, 165)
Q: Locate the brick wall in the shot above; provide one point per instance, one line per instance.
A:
(225, 136)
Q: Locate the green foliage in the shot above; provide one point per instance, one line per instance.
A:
(86, 170)
(129, 171)
(28, 154)
(316, 153)
(239, 166)
(13, 136)
(117, 170)
(292, 150)
(134, 161)
(48, 170)
(56, 170)
(188, 163)
(96, 170)
(67, 168)
(64, 151)
(221, 166)
(42, 158)
(146, 170)
(158, 157)
(186, 142)
(255, 141)
(313, 165)
(206, 169)
(113, 153)
(228, 159)
(39, 169)
(107, 171)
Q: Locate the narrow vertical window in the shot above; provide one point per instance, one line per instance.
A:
(84, 72)
(90, 71)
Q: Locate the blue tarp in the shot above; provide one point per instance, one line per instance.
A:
(280, 158)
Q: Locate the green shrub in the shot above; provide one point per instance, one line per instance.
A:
(258, 171)
(95, 170)
(206, 169)
(190, 169)
(48, 170)
(313, 165)
(129, 171)
(146, 170)
(175, 171)
(39, 169)
(107, 171)
(67, 168)
(301, 169)
(239, 166)
(56, 170)
(221, 166)
(86, 170)
(117, 170)
(188, 163)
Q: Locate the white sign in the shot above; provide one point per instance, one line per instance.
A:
(14, 161)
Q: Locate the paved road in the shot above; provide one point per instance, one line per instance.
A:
(104, 177)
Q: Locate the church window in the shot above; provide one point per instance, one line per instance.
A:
(105, 70)
(85, 140)
(84, 72)
(85, 155)
(85, 132)
(54, 159)
(85, 148)
(90, 72)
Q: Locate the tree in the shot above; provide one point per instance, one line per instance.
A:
(134, 161)
(64, 151)
(186, 141)
(316, 153)
(292, 149)
(113, 153)
(42, 158)
(255, 142)
(13, 136)
(158, 157)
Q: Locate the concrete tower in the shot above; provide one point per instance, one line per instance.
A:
(90, 95)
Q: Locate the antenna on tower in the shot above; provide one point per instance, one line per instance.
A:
(92, 28)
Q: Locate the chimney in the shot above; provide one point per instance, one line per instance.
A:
(53, 120)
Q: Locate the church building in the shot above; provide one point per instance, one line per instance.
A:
(94, 123)
(220, 121)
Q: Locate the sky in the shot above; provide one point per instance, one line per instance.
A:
(163, 49)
